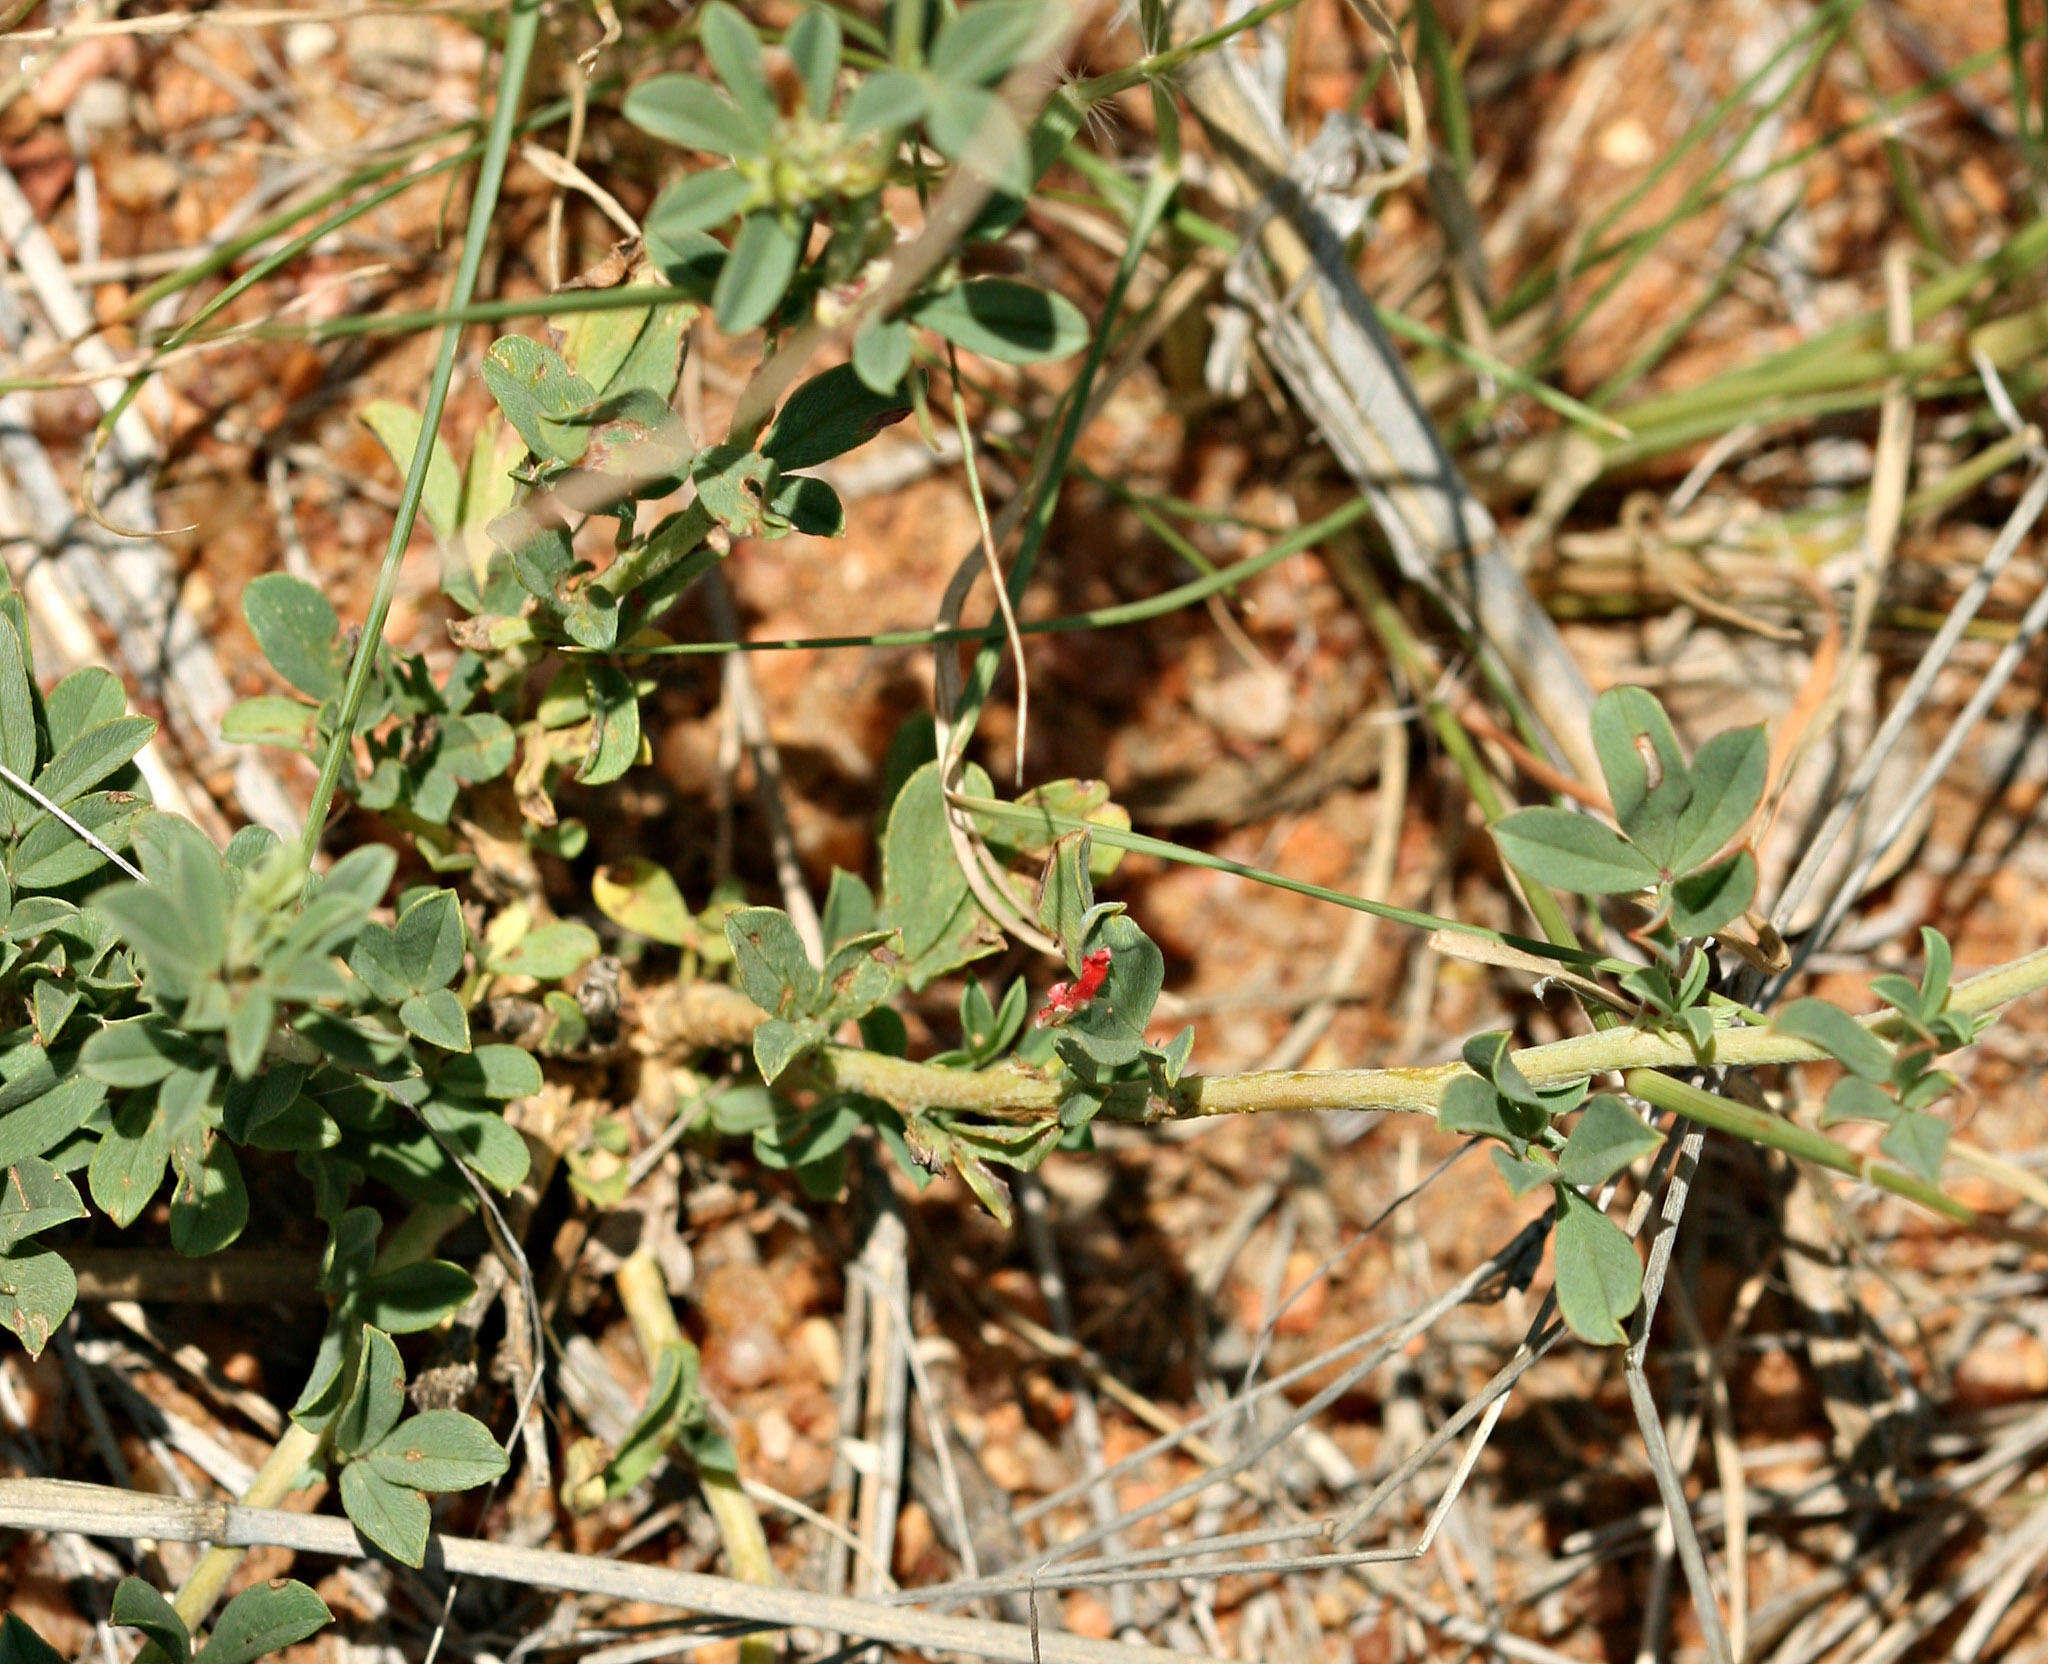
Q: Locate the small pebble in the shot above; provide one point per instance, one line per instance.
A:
(305, 44)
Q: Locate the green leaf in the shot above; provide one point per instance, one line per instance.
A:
(828, 416)
(397, 427)
(1852, 1098)
(887, 99)
(557, 949)
(804, 503)
(394, 1518)
(813, 45)
(376, 961)
(439, 1450)
(46, 1120)
(1086, 800)
(779, 1042)
(1917, 1141)
(924, 893)
(21, 1645)
(484, 1139)
(977, 129)
(859, 974)
(1173, 1056)
(186, 877)
(541, 397)
(210, 1202)
(54, 1003)
(158, 930)
(700, 201)
(637, 895)
(1110, 1028)
(134, 1052)
(1927, 1090)
(734, 51)
(267, 1618)
(1570, 851)
(733, 486)
(629, 356)
(51, 854)
(774, 969)
(374, 1398)
(849, 908)
(298, 631)
(671, 1402)
(83, 701)
(1491, 1055)
(1599, 1280)
(1703, 902)
(474, 748)
(91, 758)
(498, 1073)
(35, 1197)
(37, 1292)
(1935, 974)
(414, 1297)
(429, 941)
(138, 1606)
(1901, 994)
(1523, 1175)
(1838, 1034)
(17, 705)
(881, 354)
(615, 725)
(1607, 1137)
(128, 1167)
(1012, 323)
(756, 274)
(981, 43)
(436, 1017)
(362, 876)
(1472, 1106)
(1066, 896)
(690, 112)
(1728, 779)
(1627, 723)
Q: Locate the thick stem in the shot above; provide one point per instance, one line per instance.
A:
(644, 1294)
(712, 1015)
(272, 1484)
(708, 1014)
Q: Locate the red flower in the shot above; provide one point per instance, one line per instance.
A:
(1068, 999)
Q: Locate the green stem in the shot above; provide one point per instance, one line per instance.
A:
(1164, 64)
(1100, 618)
(414, 1238)
(1760, 1126)
(522, 27)
(644, 1293)
(1007, 1092)
(274, 1481)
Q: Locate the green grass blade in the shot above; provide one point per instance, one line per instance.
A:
(522, 27)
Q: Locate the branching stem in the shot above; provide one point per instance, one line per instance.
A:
(719, 1015)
